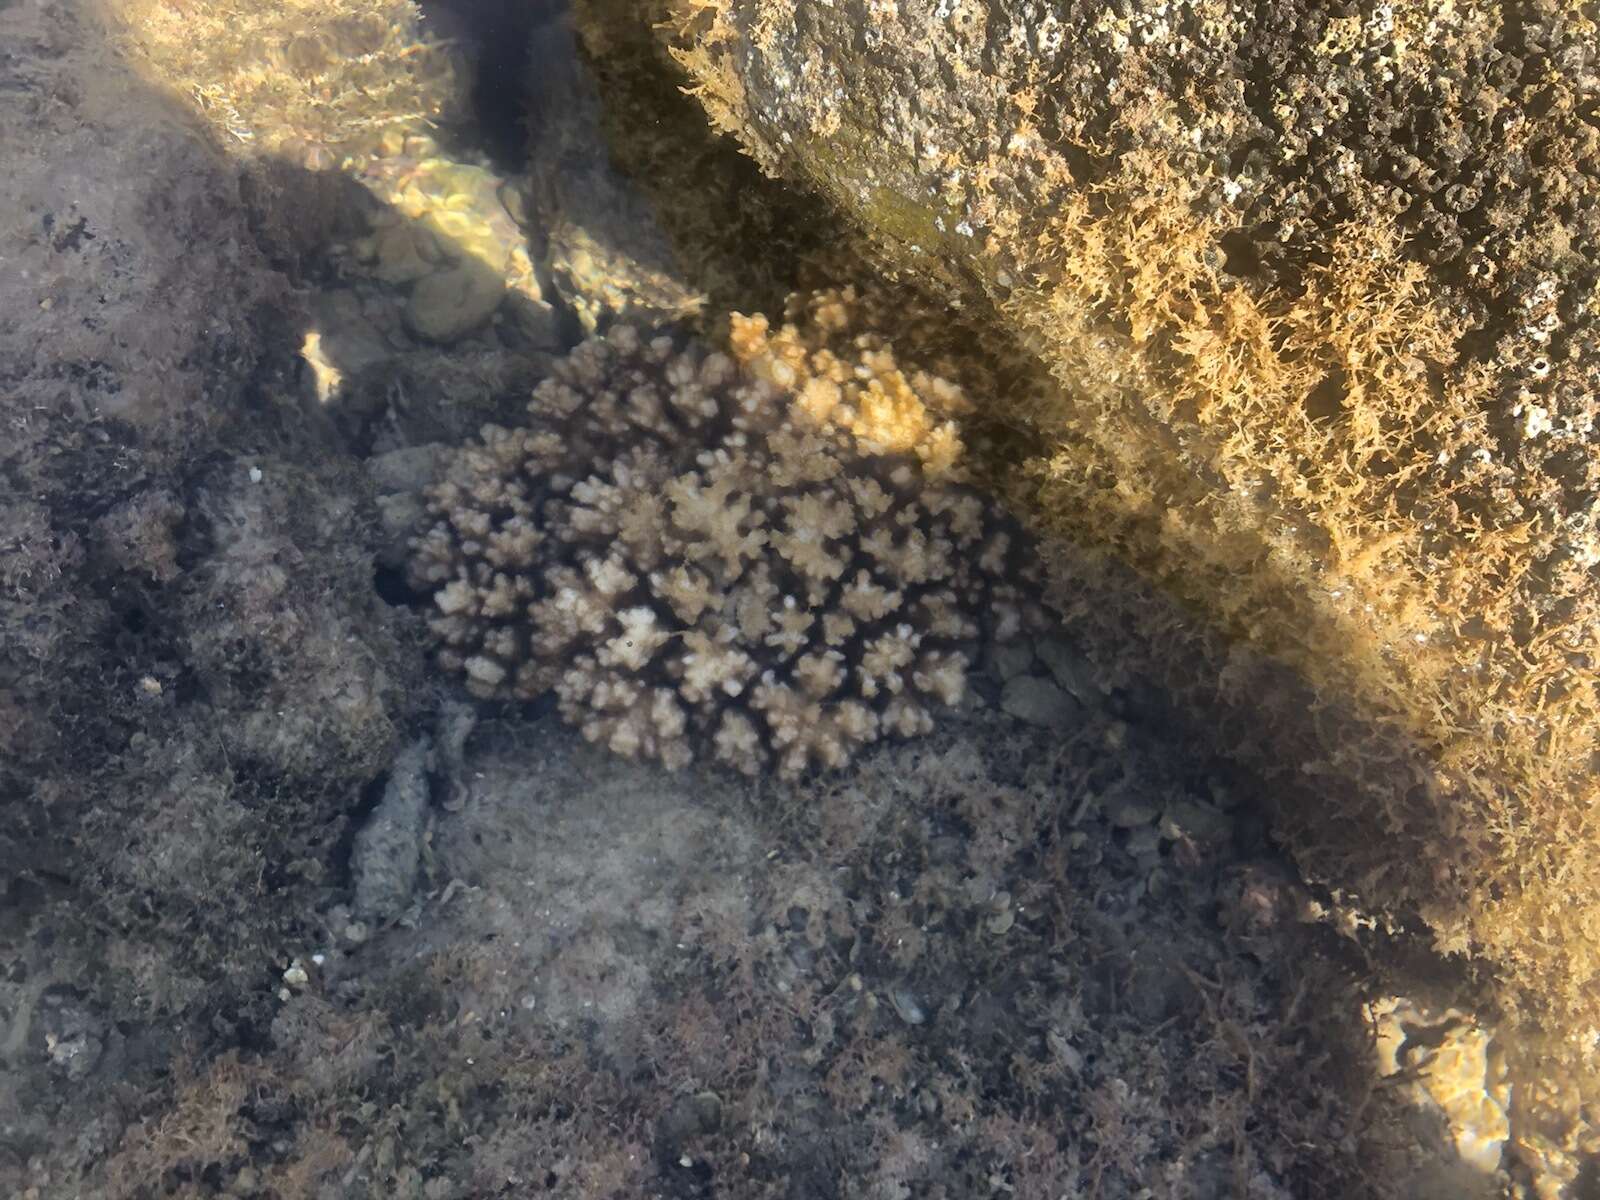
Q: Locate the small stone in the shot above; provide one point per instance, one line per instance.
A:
(1143, 840)
(1130, 812)
(1063, 1051)
(1039, 702)
(907, 1005)
(708, 1109)
(1158, 883)
(404, 254)
(398, 518)
(1002, 914)
(1010, 659)
(74, 1036)
(408, 469)
(538, 321)
(450, 304)
(691, 1117)
(387, 855)
(1069, 668)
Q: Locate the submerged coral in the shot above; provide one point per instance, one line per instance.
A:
(759, 556)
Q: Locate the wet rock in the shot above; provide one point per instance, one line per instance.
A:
(1038, 701)
(1450, 1063)
(403, 253)
(346, 334)
(605, 252)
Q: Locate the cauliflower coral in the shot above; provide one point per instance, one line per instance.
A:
(763, 557)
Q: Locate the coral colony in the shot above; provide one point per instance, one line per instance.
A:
(761, 557)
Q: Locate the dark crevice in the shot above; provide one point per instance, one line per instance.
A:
(495, 38)
(392, 588)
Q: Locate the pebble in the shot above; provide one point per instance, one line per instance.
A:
(907, 1006)
(450, 304)
(1069, 668)
(1189, 818)
(1039, 702)
(1130, 812)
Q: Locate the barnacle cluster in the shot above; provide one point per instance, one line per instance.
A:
(761, 556)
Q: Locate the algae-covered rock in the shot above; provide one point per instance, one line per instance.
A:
(1316, 286)
(196, 676)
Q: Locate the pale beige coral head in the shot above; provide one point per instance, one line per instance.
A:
(763, 558)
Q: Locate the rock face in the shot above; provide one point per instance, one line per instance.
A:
(1317, 291)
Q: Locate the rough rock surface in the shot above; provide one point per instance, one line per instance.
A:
(196, 678)
(1318, 290)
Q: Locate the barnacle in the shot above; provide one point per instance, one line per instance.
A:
(765, 556)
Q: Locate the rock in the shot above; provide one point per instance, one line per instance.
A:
(403, 253)
(1196, 821)
(408, 469)
(388, 849)
(1010, 659)
(606, 254)
(450, 304)
(1069, 668)
(1214, 234)
(74, 1036)
(1037, 701)
(1130, 812)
